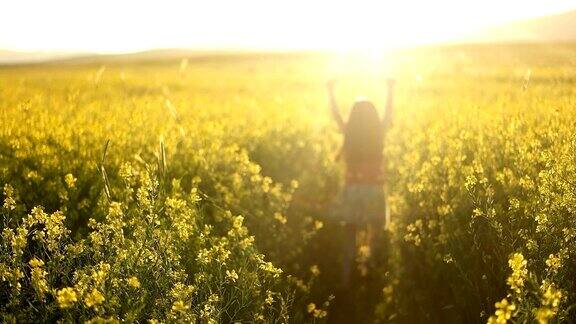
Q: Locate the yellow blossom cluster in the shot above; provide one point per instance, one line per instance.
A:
(519, 272)
(504, 311)
(551, 298)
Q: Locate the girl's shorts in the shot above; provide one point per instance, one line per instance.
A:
(360, 204)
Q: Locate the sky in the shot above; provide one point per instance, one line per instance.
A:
(118, 26)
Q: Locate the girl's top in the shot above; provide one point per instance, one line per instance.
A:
(367, 173)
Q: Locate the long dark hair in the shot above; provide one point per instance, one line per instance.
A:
(363, 136)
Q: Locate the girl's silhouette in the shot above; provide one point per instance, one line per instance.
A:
(361, 203)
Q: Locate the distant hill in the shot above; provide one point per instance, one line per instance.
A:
(156, 56)
(16, 57)
(8, 57)
(553, 28)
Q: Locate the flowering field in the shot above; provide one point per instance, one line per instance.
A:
(200, 189)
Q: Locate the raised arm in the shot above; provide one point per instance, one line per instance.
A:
(388, 115)
(334, 107)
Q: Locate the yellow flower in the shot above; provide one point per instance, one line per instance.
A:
(551, 298)
(66, 297)
(179, 306)
(519, 272)
(70, 180)
(280, 218)
(269, 298)
(94, 298)
(101, 272)
(543, 314)
(19, 241)
(553, 262)
(388, 293)
(504, 309)
(503, 312)
(232, 275)
(133, 282)
(319, 313)
(9, 201)
(269, 267)
(315, 270)
(294, 184)
(38, 277)
(100, 320)
(237, 222)
(311, 307)
(36, 262)
(316, 312)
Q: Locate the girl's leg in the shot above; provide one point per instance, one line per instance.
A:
(375, 231)
(376, 243)
(377, 225)
(349, 255)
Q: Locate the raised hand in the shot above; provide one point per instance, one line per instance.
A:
(330, 85)
(387, 121)
(390, 82)
(333, 106)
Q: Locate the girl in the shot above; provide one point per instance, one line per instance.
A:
(361, 203)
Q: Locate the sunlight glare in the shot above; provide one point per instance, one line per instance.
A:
(110, 26)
